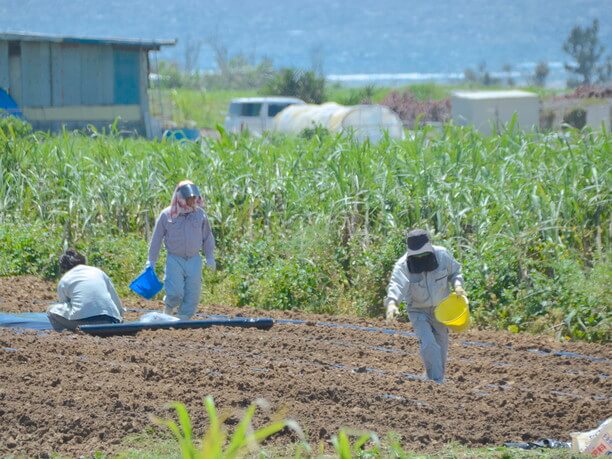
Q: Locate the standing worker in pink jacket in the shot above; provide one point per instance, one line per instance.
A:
(185, 231)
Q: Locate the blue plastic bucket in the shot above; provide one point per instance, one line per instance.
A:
(182, 134)
(147, 284)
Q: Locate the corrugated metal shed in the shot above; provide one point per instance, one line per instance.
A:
(74, 82)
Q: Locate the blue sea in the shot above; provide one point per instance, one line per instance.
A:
(351, 41)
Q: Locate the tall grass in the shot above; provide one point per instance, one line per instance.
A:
(316, 222)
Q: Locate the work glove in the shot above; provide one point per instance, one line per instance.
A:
(460, 291)
(392, 311)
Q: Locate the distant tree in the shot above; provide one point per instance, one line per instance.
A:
(470, 76)
(312, 87)
(306, 85)
(541, 73)
(285, 83)
(192, 55)
(220, 51)
(238, 71)
(485, 75)
(605, 71)
(584, 47)
(317, 58)
(168, 75)
(507, 69)
(359, 96)
(481, 76)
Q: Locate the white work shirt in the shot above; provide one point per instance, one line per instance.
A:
(84, 292)
(426, 289)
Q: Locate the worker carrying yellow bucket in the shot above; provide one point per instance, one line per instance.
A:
(422, 279)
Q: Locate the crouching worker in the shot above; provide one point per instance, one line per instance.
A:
(421, 279)
(86, 295)
(184, 229)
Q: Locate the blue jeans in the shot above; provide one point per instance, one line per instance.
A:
(433, 339)
(183, 282)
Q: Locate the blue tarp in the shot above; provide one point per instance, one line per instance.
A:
(8, 105)
(40, 321)
(32, 320)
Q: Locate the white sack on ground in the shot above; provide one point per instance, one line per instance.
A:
(154, 317)
(595, 442)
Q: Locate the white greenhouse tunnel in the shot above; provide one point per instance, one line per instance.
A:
(364, 121)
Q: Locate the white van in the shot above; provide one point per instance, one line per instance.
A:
(256, 113)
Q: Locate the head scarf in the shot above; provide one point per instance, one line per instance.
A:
(179, 206)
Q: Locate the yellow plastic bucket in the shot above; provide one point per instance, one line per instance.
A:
(454, 312)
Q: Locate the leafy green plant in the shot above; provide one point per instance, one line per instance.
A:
(29, 249)
(363, 95)
(119, 257)
(358, 449)
(306, 85)
(216, 442)
(11, 126)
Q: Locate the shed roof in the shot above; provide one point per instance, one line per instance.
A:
(484, 95)
(137, 43)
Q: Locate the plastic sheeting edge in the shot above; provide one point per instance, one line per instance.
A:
(134, 327)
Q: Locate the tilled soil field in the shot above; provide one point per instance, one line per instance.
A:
(75, 394)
